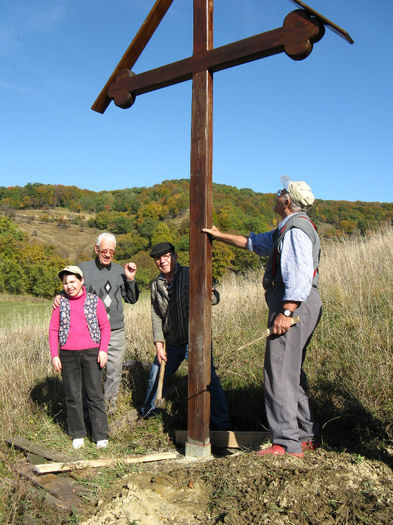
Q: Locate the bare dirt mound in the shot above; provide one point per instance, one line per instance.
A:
(241, 489)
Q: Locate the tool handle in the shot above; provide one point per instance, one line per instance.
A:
(268, 332)
(161, 377)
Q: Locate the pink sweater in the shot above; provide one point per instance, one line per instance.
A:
(79, 335)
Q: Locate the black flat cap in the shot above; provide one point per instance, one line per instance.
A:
(161, 248)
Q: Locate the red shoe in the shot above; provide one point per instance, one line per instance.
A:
(278, 450)
(310, 445)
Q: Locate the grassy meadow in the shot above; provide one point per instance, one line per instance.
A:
(349, 366)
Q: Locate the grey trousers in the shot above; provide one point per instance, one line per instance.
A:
(116, 349)
(288, 408)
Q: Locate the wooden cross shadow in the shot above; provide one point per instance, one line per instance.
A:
(301, 29)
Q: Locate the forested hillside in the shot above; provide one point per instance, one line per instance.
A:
(141, 217)
(26, 267)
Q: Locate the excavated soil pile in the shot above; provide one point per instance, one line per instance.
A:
(241, 489)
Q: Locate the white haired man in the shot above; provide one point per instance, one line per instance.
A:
(291, 287)
(112, 283)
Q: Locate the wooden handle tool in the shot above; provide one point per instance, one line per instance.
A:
(159, 402)
(268, 332)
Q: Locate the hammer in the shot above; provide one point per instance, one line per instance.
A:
(159, 402)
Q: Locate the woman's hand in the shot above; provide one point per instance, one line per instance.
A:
(102, 358)
(56, 363)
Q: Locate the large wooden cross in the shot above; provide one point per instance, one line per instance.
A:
(300, 30)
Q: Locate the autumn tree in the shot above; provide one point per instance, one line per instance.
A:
(27, 267)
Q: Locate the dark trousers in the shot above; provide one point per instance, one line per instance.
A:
(80, 367)
(219, 415)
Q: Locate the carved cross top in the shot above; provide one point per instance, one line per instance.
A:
(300, 30)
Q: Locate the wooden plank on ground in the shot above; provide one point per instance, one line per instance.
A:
(35, 458)
(104, 462)
(62, 491)
(29, 446)
(229, 439)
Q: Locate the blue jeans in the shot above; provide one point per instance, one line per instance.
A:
(219, 413)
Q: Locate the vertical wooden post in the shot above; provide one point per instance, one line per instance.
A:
(199, 364)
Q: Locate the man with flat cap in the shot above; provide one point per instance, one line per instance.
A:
(291, 288)
(169, 315)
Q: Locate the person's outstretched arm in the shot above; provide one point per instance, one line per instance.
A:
(240, 241)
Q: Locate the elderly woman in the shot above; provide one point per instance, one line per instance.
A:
(79, 334)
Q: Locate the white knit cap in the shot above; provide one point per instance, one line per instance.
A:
(299, 191)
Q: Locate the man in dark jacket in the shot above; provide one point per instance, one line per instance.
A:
(169, 313)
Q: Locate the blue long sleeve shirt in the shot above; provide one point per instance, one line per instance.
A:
(296, 259)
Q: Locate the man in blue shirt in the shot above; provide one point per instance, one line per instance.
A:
(291, 287)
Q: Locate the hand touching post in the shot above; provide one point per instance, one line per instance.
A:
(240, 241)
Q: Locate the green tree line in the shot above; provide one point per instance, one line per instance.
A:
(27, 267)
(142, 209)
(142, 217)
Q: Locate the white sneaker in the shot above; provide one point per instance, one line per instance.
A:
(78, 442)
(102, 443)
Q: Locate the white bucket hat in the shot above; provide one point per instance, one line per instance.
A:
(71, 269)
(299, 191)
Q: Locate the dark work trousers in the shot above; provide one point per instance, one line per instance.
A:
(288, 408)
(219, 415)
(81, 367)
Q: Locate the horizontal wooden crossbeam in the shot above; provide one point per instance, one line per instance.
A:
(295, 38)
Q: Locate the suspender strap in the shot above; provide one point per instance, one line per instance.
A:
(275, 252)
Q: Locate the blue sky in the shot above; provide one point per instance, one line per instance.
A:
(326, 119)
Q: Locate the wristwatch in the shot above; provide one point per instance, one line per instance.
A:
(286, 312)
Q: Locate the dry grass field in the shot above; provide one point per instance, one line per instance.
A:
(350, 370)
(75, 242)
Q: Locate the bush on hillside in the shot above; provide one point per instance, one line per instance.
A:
(27, 267)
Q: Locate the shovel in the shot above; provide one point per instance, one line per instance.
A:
(159, 402)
